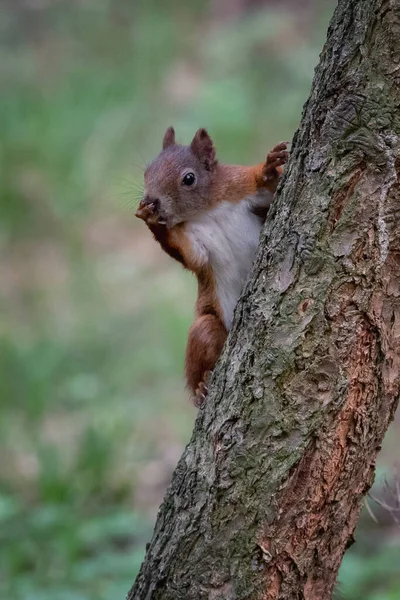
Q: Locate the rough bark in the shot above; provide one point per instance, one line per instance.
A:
(265, 499)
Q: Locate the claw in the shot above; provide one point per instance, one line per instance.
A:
(202, 390)
(276, 158)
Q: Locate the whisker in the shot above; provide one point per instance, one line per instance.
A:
(128, 204)
(142, 157)
(138, 166)
(131, 184)
(132, 193)
(127, 197)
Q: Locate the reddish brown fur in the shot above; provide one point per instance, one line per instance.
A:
(216, 183)
(235, 182)
(206, 338)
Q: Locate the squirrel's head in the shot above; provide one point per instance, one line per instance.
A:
(179, 179)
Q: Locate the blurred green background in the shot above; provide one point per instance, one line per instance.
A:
(93, 316)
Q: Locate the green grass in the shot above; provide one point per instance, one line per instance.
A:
(93, 317)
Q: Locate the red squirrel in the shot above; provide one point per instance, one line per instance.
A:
(208, 216)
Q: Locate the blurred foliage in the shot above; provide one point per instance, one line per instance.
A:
(93, 317)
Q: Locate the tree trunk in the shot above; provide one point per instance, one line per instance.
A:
(266, 497)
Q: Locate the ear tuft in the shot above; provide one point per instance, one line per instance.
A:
(202, 146)
(169, 138)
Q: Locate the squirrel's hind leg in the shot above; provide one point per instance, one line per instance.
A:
(206, 338)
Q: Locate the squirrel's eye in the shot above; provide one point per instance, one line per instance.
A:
(189, 179)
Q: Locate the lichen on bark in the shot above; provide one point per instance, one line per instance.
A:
(267, 494)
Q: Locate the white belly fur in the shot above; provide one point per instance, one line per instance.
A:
(227, 238)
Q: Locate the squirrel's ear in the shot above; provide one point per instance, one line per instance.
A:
(202, 146)
(169, 138)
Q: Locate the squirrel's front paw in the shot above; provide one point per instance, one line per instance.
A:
(150, 213)
(276, 158)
